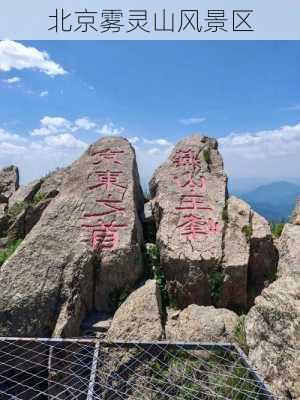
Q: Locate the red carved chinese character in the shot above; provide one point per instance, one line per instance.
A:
(107, 154)
(193, 202)
(107, 179)
(113, 206)
(190, 182)
(186, 157)
(104, 235)
(193, 226)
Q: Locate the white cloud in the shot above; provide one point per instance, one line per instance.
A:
(158, 142)
(85, 123)
(44, 93)
(55, 122)
(11, 81)
(65, 140)
(10, 137)
(52, 126)
(192, 121)
(270, 154)
(11, 149)
(134, 140)
(14, 55)
(154, 151)
(110, 130)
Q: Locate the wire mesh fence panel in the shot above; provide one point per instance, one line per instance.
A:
(89, 369)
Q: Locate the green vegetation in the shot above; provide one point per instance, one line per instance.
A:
(206, 155)
(38, 197)
(152, 258)
(247, 231)
(190, 377)
(216, 281)
(240, 333)
(238, 385)
(16, 209)
(9, 250)
(277, 230)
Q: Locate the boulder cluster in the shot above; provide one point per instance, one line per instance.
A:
(86, 252)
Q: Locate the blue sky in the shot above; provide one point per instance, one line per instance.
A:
(247, 94)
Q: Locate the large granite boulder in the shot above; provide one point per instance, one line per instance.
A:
(273, 336)
(263, 260)
(9, 181)
(189, 194)
(296, 214)
(140, 316)
(273, 324)
(86, 244)
(233, 291)
(26, 220)
(289, 250)
(199, 323)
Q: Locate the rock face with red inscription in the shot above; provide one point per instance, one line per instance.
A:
(85, 248)
(111, 221)
(189, 195)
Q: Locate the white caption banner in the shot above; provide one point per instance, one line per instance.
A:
(150, 20)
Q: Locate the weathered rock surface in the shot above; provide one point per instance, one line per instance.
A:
(148, 212)
(296, 214)
(3, 219)
(199, 323)
(52, 183)
(9, 181)
(236, 255)
(263, 259)
(289, 250)
(86, 237)
(189, 192)
(26, 220)
(140, 316)
(273, 336)
(25, 193)
(115, 197)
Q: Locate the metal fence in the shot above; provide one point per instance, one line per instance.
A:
(90, 369)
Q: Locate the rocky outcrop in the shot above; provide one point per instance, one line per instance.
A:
(25, 193)
(289, 250)
(28, 203)
(273, 324)
(296, 214)
(236, 255)
(85, 246)
(26, 220)
(189, 193)
(198, 323)
(263, 259)
(52, 183)
(273, 336)
(140, 316)
(9, 181)
(3, 219)
(214, 249)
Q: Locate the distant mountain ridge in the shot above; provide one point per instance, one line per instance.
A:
(275, 201)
